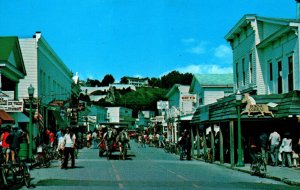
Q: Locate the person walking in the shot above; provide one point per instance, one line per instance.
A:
(274, 139)
(263, 138)
(69, 148)
(182, 144)
(286, 146)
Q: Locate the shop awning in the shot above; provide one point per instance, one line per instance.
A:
(20, 117)
(5, 117)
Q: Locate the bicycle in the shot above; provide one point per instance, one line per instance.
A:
(258, 166)
(16, 172)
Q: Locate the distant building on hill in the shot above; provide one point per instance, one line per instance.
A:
(137, 82)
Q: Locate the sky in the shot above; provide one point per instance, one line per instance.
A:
(137, 38)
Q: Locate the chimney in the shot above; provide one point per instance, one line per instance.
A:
(298, 9)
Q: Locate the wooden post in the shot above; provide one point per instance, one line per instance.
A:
(192, 141)
(221, 145)
(212, 143)
(198, 142)
(232, 151)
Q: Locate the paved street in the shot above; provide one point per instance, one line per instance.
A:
(146, 168)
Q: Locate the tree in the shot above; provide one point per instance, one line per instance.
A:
(108, 79)
(124, 80)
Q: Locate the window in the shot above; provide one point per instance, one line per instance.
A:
(237, 74)
(250, 68)
(290, 73)
(244, 73)
(279, 77)
(271, 71)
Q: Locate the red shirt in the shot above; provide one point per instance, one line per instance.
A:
(51, 137)
(4, 144)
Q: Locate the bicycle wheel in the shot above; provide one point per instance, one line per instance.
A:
(166, 148)
(26, 174)
(10, 175)
(253, 167)
(3, 180)
(263, 168)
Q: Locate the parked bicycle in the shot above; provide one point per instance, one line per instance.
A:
(13, 173)
(171, 148)
(258, 166)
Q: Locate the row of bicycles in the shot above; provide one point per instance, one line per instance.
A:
(18, 173)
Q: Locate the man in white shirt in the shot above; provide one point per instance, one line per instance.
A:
(274, 148)
(69, 148)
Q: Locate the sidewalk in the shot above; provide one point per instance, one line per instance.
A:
(287, 175)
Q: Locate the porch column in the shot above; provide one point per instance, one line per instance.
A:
(204, 143)
(221, 145)
(192, 141)
(198, 142)
(231, 129)
(212, 143)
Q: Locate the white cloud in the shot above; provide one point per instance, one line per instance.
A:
(222, 51)
(198, 50)
(202, 69)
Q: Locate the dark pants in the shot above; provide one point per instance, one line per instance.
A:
(67, 152)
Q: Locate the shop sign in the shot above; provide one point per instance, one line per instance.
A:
(10, 105)
(189, 98)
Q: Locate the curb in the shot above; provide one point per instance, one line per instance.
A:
(284, 180)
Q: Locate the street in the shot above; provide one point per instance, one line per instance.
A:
(145, 168)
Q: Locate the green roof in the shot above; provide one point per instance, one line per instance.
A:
(214, 79)
(7, 46)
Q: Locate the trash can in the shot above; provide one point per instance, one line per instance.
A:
(23, 152)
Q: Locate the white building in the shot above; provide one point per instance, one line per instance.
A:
(265, 54)
(49, 76)
(120, 115)
(45, 71)
(210, 87)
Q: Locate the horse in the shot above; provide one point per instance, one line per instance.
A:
(250, 108)
(123, 140)
(109, 139)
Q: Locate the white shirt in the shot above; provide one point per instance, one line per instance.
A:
(274, 138)
(286, 145)
(69, 142)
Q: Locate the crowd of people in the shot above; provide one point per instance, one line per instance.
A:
(281, 150)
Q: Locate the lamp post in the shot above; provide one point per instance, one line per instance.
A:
(238, 98)
(30, 94)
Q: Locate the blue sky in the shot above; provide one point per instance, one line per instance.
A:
(143, 38)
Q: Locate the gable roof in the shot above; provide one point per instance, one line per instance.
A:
(9, 45)
(244, 21)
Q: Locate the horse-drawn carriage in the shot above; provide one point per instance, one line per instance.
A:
(114, 138)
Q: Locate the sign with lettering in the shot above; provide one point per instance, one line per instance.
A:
(190, 97)
(10, 105)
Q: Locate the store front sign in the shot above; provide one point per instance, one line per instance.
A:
(11, 106)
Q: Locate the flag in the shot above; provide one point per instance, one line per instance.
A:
(39, 119)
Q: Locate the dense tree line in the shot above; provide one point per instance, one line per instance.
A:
(166, 81)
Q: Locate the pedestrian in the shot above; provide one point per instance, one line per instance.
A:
(69, 148)
(274, 139)
(252, 148)
(263, 138)
(5, 143)
(51, 138)
(88, 139)
(188, 145)
(182, 143)
(94, 139)
(16, 141)
(286, 150)
(60, 147)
